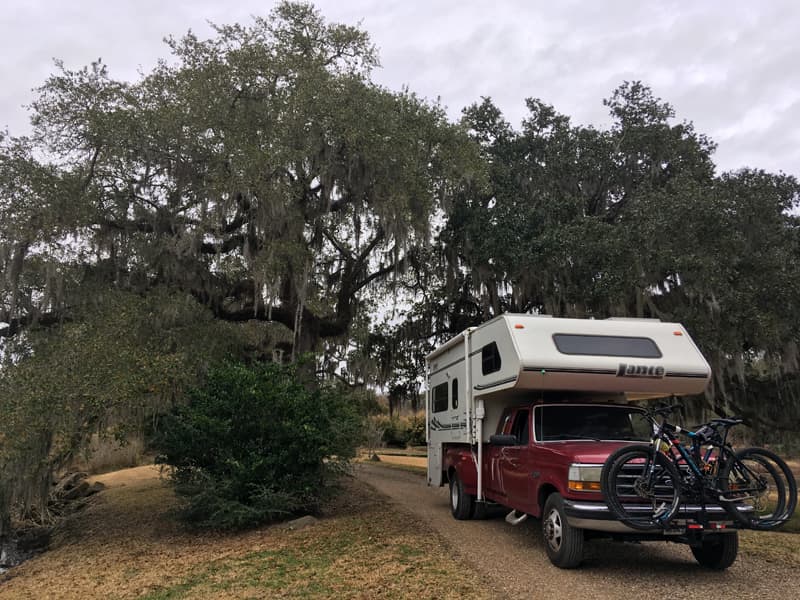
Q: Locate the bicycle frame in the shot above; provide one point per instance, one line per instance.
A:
(702, 483)
(690, 458)
(755, 487)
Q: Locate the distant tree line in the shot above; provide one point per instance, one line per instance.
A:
(258, 197)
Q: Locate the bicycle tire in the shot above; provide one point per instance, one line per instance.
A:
(766, 504)
(622, 475)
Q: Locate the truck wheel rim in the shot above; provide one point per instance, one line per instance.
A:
(552, 530)
(454, 496)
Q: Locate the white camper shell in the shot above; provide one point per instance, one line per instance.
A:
(514, 357)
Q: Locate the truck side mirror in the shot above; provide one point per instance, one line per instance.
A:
(503, 439)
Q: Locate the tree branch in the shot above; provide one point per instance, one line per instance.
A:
(362, 257)
(92, 165)
(381, 272)
(232, 243)
(342, 250)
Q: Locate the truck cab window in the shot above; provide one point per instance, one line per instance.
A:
(590, 422)
(504, 423)
(521, 428)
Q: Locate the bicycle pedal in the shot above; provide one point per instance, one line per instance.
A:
(660, 511)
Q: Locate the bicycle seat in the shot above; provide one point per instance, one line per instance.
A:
(727, 421)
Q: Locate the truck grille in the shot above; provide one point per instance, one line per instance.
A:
(631, 472)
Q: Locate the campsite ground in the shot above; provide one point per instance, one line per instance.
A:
(388, 536)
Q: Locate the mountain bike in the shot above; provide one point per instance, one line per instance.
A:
(646, 484)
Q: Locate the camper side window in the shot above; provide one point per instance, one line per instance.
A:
(440, 397)
(455, 394)
(606, 345)
(490, 359)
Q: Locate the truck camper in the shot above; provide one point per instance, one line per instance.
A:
(523, 411)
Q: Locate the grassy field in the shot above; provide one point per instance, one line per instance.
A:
(126, 545)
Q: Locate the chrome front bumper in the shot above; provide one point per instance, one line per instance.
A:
(598, 517)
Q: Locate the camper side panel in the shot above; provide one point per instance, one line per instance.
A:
(494, 358)
(446, 407)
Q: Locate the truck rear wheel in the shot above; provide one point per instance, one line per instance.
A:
(562, 542)
(718, 552)
(461, 503)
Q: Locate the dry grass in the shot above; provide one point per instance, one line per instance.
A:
(412, 464)
(774, 546)
(126, 544)
(418, 462)
(106, 454)
(782, 546)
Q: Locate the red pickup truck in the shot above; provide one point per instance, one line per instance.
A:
(523, 411)
(544, 461)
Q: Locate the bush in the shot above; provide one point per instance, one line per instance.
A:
(395, 433)
(256, 444)
(415, 433)
(399, 432)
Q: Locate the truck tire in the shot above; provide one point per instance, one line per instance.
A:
(461, 503)
(480, 511)
(562, 542)
(718, 552)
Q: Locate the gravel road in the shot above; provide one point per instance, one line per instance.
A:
(514, 561)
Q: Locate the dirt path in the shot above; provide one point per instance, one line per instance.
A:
(513, 558)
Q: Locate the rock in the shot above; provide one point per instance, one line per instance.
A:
(33, 539)
(95, 488)
(300, 523)
(8, 554)
(79, 491)
(69, 481)
(375, 457)
(16, 548)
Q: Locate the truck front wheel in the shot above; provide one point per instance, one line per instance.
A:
(562, 542)
(717, 551)
(461, 503)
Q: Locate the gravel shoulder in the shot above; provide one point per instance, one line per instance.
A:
(513, 559)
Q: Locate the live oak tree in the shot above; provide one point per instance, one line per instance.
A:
(257, 177)
(259, 171)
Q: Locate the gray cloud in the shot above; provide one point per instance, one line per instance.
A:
(729, 67)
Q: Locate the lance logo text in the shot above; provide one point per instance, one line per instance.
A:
(652, 371)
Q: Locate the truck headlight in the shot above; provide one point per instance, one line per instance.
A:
(584, 478)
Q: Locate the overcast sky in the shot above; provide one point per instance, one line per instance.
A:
(729, 66)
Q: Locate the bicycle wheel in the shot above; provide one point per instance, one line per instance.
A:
(639, 499)
(759, 489)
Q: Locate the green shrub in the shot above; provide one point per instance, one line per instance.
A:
(400, 432)
(256, 444)
(395, 433)
(415, 433)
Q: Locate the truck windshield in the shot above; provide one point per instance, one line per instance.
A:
(590, 422)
